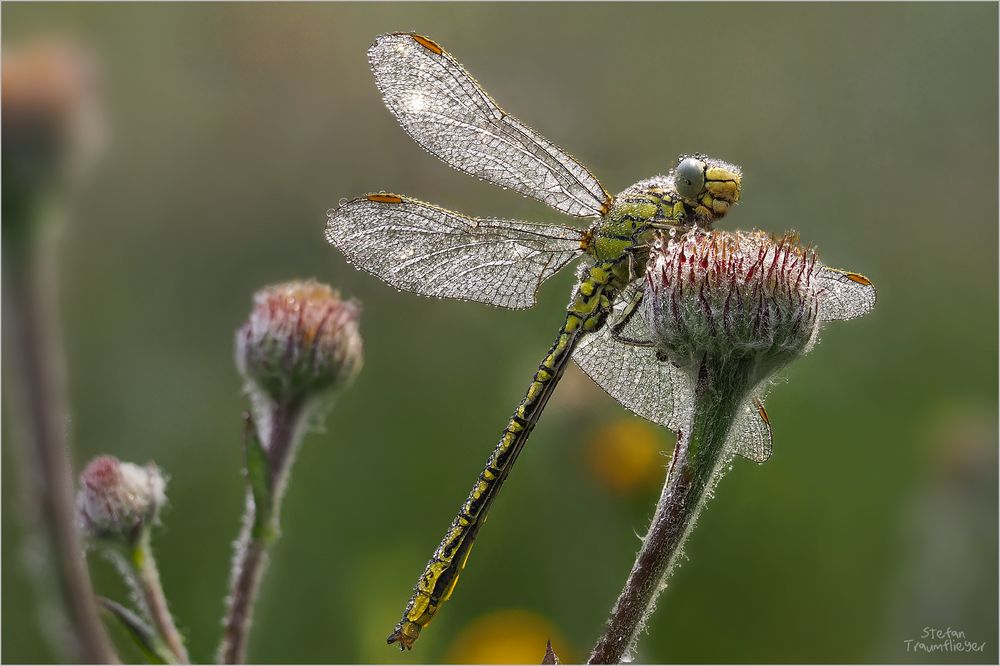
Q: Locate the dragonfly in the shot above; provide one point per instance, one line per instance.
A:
(422, 248)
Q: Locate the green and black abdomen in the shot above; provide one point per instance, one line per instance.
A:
(587, 312)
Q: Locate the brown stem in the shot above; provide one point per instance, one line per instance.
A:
(252, 553)
(252, 559)
(651, 564)
(148, 578)
(693, 469)
(39, 400)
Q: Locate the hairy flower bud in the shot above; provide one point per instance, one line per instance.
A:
(724, 311)
(300, 341)
(744, 295)
(116, 499)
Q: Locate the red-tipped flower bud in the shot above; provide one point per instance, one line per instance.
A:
(750, 295)
(117, 499)
(300, 342)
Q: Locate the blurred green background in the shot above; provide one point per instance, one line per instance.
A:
(870, 129)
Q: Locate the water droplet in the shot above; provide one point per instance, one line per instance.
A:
(331, 211)
(342, 201)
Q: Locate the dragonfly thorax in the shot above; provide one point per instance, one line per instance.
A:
(698, 191)
(635, 214)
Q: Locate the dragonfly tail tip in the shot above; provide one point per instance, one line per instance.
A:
(405, 635)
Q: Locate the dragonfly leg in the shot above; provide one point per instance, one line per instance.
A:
(630, 311)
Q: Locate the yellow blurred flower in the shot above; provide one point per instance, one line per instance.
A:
(507, 637)
(626, 455)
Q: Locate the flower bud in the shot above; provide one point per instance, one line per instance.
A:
(116, 499)
(301, 341)
(52, 128)
(744, 295)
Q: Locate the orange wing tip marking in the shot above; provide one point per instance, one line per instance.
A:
(426, 43)
(607, 204)
(763, 412)
(385, 198)
(860, 279)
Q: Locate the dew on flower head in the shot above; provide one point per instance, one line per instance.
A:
(751, 293)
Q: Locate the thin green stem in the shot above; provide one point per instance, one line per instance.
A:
(699, 455)
(253, 546)
(148, 579)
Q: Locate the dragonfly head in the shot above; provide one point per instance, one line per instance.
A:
(706, 186)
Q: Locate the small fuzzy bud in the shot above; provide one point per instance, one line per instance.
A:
(301, 341)
(116, 499)
(747, 295)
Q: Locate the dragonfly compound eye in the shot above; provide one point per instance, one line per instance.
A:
(689, 177)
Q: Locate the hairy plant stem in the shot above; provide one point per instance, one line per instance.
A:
(147, 577)
(699, 456)
(39, 402)
(253, 546)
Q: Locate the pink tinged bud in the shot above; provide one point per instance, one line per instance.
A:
(117, 499)
(749, 295)
(300, 342)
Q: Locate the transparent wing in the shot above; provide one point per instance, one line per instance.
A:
(751, 434)
(631, 374)
(447, 112)
(844, 295)
(656, 390)
(421, 248)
